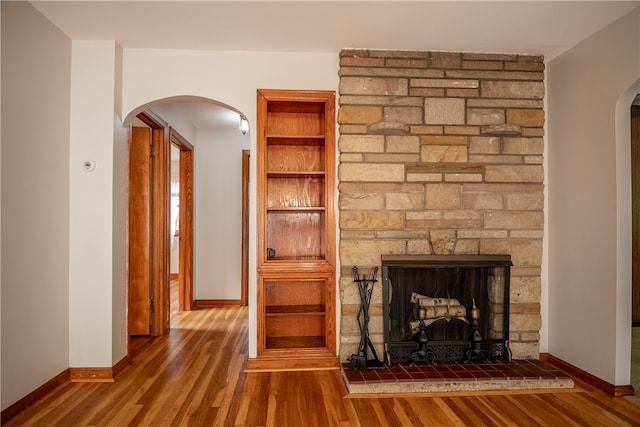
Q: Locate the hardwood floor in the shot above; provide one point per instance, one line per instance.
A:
(195, 377)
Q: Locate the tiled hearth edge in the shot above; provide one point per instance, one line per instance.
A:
(563, 371)
(457, 376)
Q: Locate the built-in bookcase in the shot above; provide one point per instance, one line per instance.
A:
(296, 229)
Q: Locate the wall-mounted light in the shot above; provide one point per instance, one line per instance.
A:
(244, 125)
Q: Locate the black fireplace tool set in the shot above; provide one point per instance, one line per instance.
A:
(361, 361)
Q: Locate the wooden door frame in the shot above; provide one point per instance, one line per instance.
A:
(185, 221)
(244, 289)
(160, 221)
(635, 215)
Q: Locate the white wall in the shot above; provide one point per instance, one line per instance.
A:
(174, 264)
(231, 78)
(218, 213)
(35, 200)
(589, 260)
(119, 220)
(97, 259)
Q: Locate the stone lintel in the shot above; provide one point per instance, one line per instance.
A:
(447, 168)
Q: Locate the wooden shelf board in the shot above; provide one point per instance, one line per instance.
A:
(295, 174)
(295, 139)
(295, 342)
(292, 362)
(295, 106)
(297, 258)
(297, 209)
(294, 309)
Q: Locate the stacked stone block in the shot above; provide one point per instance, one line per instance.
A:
(441, 153)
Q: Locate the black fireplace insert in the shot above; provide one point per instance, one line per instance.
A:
(445, 307)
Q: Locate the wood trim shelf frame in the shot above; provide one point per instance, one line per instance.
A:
(296, 230)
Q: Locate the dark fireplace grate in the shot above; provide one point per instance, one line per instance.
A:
(459, 281)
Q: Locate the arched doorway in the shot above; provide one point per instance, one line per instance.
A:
(627, 213)
(635, 246)
(190, 113)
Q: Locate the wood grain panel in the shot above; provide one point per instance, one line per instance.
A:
(286, 292)
(296, 192)
(295, 155)
(295, 325)
(296, 234)
(295, 123)
(160, 229)
(139, 319)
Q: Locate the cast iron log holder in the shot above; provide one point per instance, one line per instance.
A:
(476, 352)
(422, 354)
(361, 360)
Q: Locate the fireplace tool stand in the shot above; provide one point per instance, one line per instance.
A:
(361, 360)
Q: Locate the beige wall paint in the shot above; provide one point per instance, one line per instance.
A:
(97, 210)
(586, 261)
(218, 213)
(35, 200)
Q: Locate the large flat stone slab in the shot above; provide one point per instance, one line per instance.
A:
(457, 376)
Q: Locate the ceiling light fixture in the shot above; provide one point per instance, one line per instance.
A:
(244, 125)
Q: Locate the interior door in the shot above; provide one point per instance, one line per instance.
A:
(140, 231)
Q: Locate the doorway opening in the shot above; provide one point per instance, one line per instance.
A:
(223, 157)
(150, 230)
(635, 247)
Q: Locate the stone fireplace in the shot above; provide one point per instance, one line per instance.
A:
(441, 153)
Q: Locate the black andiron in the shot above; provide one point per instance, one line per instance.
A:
(422, 354)
(476, 352)
(361, 361)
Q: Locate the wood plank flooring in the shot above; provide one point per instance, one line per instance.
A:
(195, 377)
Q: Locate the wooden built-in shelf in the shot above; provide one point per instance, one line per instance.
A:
(296, 229)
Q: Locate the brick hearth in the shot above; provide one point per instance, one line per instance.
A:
(456, 376)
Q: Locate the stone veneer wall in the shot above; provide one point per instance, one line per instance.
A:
(441, 153)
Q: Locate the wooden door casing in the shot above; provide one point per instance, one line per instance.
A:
(244, 294)
(185, 226)
(160, 230)
(635, 202)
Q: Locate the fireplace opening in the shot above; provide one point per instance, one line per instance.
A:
(445, 307)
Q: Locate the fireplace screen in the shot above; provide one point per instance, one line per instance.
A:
(446, 304)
